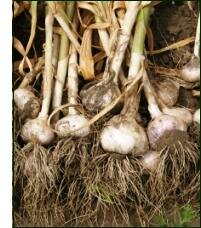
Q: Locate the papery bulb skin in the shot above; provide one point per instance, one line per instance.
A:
(191, 71)
(167, 91)
(73, 122)
(37, 131)
(28, 104)
(150, 160)
(160, 125)
(98, 96)
(196, 116)
(180, 113)
(123, 136)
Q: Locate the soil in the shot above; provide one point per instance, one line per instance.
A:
(170, 23)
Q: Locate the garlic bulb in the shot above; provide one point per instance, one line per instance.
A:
(28, 104)
(196, 116)
(150, 160)
(191, 71)
(98, 96)
(73, 122)
(123, 135)
(36, 130)
(180, 113)
(160, 123)
(167, 90)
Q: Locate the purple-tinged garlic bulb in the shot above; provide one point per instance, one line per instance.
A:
(160, 123)
(191, 71)
(180, 113)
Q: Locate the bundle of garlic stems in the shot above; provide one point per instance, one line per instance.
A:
(37, 130)
(191, 71)
(62, 63)
(61, 17)
(98, 96)
(27, 103)
(73, 120)
(122, 134)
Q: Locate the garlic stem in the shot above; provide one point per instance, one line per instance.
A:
(152, 104)
(62, 62)
(62, 19)
(72, 81)
(73, 120)
(48, 74)
(121, 14)
(27, 103)
(138, 41)
(55, 51)
(124, 36)
(36, 130)
(104, 37)
(33, 12)
(107, 41)
(29, 77)
(197, 39)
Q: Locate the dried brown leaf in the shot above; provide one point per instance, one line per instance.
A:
(86, 59)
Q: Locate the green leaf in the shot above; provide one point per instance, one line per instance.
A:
(159, 221)
(187, 214)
